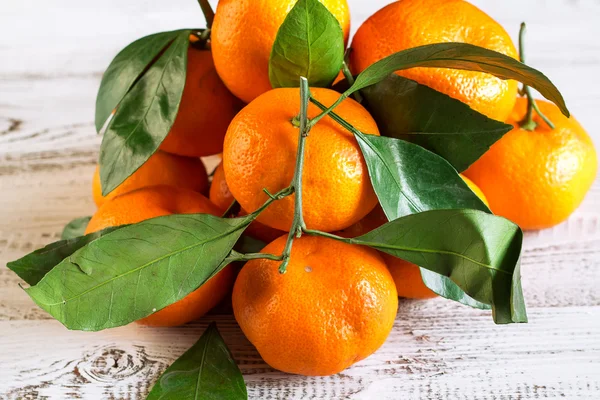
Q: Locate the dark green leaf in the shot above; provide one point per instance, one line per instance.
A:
(443, 286)
(407, 110)
(206, 371)
(479, 252)
(75, 228)
(460, 56)
(34, 266)
(409, 179)
(144, 116)
(309, 43)
(125, 69)
(139, 269)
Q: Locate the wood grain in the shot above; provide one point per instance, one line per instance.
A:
(52, 57)
(460, 354)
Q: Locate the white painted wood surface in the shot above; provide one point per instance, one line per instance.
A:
(52, 55)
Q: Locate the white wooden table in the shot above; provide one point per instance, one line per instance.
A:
(52, 54)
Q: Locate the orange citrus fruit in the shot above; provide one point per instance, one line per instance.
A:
(243, 34)
(156, 201)
(334, 306)
(406, 24)
(222, 197)
(407, 276)
(160, 169)
(537, 178)
(205, 111)
(260, 152)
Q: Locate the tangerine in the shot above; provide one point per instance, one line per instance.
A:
(405, 24)
(260, 152)
(156, 201)
(334, 306)
(243, 34)
(160, 169)
(205, 111)
(537, 178)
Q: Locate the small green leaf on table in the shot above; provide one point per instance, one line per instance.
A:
(206, 371)
(478, 251)
(144, 116)
(405, 109)
(309, 43)
(34, 266)
(460, 56)
(136, 270)
(75, 228)
(125, 69)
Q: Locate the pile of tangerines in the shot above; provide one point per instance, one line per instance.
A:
(337, 302)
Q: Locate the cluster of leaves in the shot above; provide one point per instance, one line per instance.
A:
(119, 275)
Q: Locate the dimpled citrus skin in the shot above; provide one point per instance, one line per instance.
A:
(406, 24)
(243, 34)
(222, 197)
(206, 109)
(157, 201)
(407, 276)
(537, 179)
(334, 306)
(160, 169)
(260, 152)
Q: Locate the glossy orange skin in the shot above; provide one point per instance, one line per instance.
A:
(156, 201)
(205, 111)
(407, 276)
(222, 197)
(242, 37)
(334, 306)
(160, 169)
(537, 178)
(260, 152)
(406, 24)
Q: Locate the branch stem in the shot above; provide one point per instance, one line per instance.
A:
(257, 256)
(326, 111)
(230, 209)
(298, 224)
(208, 12)
(528, 123)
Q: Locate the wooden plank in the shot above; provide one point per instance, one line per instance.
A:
(49, 75)
(454, 355)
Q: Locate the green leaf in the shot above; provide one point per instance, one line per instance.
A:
(125, 69)
(206, 371)
(144, 116)
(309, 43)
(479, 252)
(75, 228)
(34, 266)
(460, 56)
(136, 270)
(443, 286)
(409, 179)
(405, 109)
